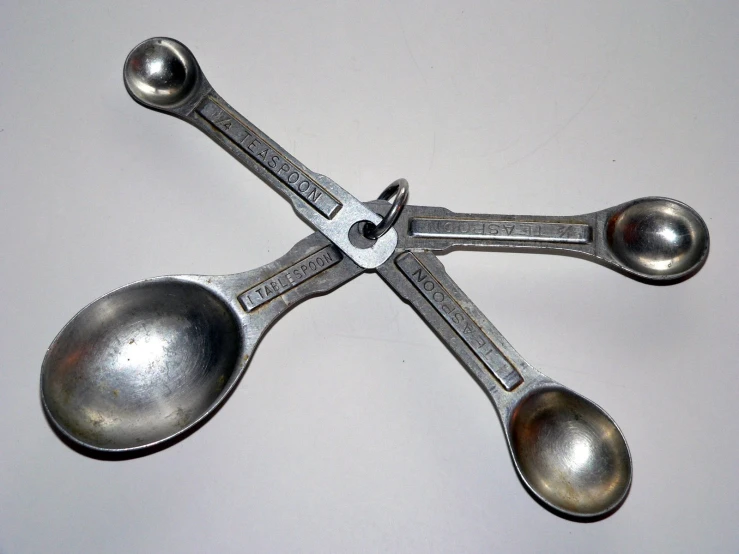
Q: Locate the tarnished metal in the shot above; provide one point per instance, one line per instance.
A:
(653, 239)
(567, 450)
(145, 363)
(162, 74)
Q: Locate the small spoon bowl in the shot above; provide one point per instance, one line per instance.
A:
(568, 452)
(160, 73)
(657, 237)
(141, 364)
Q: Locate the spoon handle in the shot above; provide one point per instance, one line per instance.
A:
(420, 280)
(313, 267)
(655, 240)
(440, 229)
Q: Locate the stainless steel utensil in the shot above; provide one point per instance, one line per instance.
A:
(162, 74)
(655, 240)
(150, 360)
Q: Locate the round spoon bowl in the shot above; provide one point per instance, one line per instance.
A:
(570, 453)
(160, 72)
(658, 237)
(141, 364)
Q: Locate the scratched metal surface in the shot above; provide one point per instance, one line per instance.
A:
(354, 429)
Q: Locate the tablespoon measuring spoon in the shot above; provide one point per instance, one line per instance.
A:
(149, 361)
(655, 240)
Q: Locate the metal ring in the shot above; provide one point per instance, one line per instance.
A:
(399, 189)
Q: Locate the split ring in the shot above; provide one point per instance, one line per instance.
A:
(399, 189)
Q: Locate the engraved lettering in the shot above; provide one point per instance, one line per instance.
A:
(470, 229)
(225, 123)
(460, 321)
(258, 150)
(290, 277)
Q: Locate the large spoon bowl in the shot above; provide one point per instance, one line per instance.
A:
(141, 364)
(569, 452)
(149, 361)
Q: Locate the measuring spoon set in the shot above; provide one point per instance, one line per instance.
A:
(147, 362)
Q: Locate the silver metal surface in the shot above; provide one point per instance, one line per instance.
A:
(653, 239)
(146, 362)
(567, 451)
(399, 189)
(162, 74)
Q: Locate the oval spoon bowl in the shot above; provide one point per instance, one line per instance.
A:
(140, 364)
(570, 454)
(658, 238)
(160, 72)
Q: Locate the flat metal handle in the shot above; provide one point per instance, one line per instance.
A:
(420, 280)
(439, 229)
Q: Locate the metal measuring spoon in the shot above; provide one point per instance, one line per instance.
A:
(147, 362)
(567, 451)
(656, 240)
(163, 74)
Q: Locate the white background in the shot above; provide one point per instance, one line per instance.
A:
(354, 429)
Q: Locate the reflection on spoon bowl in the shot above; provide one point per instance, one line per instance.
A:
(160, 72)
(141, 364)
(657, 238)
(569, 452)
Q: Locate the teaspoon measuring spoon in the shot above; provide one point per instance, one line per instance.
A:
(163, 74)
(655, 240)
(567, 451)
